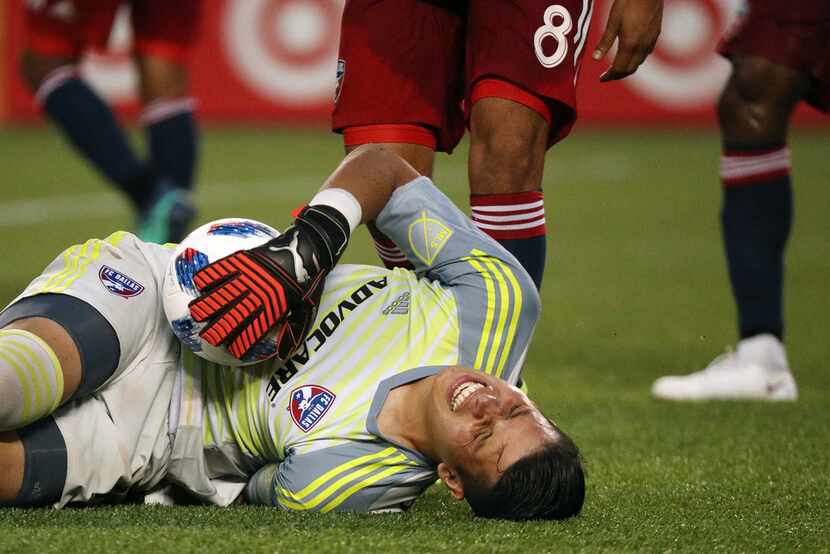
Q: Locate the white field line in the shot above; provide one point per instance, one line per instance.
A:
(608, 168)
(106, 204)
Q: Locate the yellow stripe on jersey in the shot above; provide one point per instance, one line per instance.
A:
(502, 317)
(489, 313)
(362, 484)
(245, 399)
(297, 500)
(373, 364)
(514, 319)
(68, 259)
(358, 372)
(357, 476)
(504, 306)
(76, 259)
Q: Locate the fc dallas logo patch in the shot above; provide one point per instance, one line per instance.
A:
(118, 283)
(308, 405)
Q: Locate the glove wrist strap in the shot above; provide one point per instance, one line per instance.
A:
(331, 229)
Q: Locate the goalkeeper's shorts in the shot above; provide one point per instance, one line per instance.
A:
(114, 435)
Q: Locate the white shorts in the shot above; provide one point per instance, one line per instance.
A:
(117, 437)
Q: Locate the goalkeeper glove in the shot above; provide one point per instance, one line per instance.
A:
(246, 294)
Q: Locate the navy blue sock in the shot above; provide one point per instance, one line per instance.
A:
(516, 221)
(755, 220)
(531, 253)
(90, 125)
(173, 142)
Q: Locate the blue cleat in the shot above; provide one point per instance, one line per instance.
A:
(168, 217)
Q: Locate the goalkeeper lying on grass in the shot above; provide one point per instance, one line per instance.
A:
(404, 375)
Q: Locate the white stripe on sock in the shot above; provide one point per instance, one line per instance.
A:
(756, 169)
(509, 207)
(54, 80)
(165, 108)
(512, 217)
(503, 227)
(732, 167)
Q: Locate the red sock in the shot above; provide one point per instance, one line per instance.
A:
(388, 251)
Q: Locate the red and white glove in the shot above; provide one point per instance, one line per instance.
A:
(248, 293)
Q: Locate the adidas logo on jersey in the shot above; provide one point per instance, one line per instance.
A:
(399, 306)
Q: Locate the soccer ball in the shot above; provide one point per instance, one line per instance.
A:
(203, 246)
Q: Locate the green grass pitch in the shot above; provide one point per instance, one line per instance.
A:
(635, 287)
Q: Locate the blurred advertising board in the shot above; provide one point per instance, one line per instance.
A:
(274, 61)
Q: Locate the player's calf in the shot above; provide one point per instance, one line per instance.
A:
(33, 465)
(507, 157)
(755, 106)
(35, 68)
(173, 144)
(86, 120)
(508, 141)
(11, 467)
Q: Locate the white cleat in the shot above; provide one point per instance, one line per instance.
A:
(757, 370)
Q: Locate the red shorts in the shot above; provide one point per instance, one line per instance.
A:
(415, 62)
(163, 28)
(794, 35)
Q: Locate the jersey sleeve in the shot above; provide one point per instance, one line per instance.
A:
(498, 304)
(351, 477)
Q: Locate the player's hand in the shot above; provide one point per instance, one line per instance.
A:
(245, 295)
(636, 24)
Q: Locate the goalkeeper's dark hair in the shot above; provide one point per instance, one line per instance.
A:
(548, 483)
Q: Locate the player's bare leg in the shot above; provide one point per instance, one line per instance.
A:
(160, 79)
(754, 112)
(12, 462)
(508, 141)
(35, 68)
(507, 147)
(420, 157)
(172, 139)
(26, 344)
(757, 102)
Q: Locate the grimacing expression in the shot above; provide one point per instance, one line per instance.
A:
(482, 425)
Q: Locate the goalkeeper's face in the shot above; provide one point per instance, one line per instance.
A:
(479, 426)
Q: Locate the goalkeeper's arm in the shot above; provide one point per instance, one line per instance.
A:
(247, 294)
(371, 173)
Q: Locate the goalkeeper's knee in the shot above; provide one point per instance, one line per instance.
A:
(31, 379)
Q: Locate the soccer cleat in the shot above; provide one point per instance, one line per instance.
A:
(168, 217)
(757, 370)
